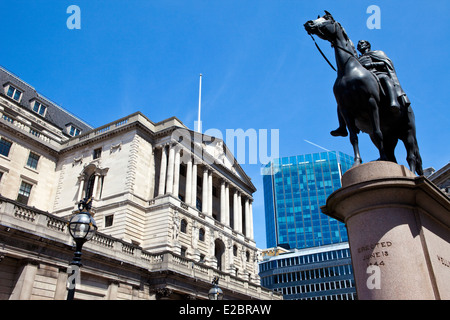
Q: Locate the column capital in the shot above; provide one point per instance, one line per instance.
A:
(227, 181)
(162, 145)
(177, 146)
(196, 159)
(172, 144)
(189, 157)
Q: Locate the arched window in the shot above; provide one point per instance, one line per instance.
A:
(235, 251)
(92, 177)
(90, 186)
(219, 250)
(201, 234)
(183, 226)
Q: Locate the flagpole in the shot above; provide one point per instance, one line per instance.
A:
(199, 104)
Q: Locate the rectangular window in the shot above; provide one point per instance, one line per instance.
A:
(39, 108)
(109, 220)
(33, 160)
(10, 92)
(14, 93)
(24, 193)
(97, 153)
(5, 146)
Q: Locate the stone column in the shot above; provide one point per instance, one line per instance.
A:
(238, 212)
(170, 170)
(176, 172)
(235, 210)
(205, 191)
(162, 172)
(194, 185)
(151, 186)
(112, 290)
(61, 285)
(223, 214)
(399, 232)
(247, 217)
(239, 229)
(81, 187)
(210, 193)
(25, 283)
(250, 208)
(188, 192)
(227, 204)
(95, 189)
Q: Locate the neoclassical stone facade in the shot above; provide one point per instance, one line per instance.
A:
(173, 206)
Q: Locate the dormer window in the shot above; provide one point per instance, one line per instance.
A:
(14, 93)
(38, 107)
(72, 130)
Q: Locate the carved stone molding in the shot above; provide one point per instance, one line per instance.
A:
(162, 293)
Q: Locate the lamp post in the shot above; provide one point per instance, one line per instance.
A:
(82, 228)
(215, 293)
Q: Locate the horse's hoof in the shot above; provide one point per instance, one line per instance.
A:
(356, 163)
(339, 132)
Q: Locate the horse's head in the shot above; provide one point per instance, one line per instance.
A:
(324, 27)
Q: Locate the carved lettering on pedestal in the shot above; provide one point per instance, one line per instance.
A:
(375, 253)
(445, 262)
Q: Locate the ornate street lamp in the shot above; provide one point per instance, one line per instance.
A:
(82, 228)
(215, 293)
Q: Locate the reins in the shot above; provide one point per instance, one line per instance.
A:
(323, 55)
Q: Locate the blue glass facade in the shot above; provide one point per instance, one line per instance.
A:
(320, 273)
(294, 190)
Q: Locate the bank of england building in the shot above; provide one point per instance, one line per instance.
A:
(173, 207)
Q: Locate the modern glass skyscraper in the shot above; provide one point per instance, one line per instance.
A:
(319, 273)
(294, 190)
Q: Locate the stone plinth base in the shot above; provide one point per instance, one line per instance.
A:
(399, 232)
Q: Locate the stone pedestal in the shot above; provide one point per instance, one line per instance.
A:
(399, 232)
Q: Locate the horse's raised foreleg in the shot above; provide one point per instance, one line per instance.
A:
(377, 135)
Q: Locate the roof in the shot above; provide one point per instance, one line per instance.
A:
(55, 114)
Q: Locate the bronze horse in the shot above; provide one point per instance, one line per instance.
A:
(361, 101)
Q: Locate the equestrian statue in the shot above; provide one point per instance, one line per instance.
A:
(368, 95)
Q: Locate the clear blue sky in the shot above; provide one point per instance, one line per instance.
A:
(260, 68)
